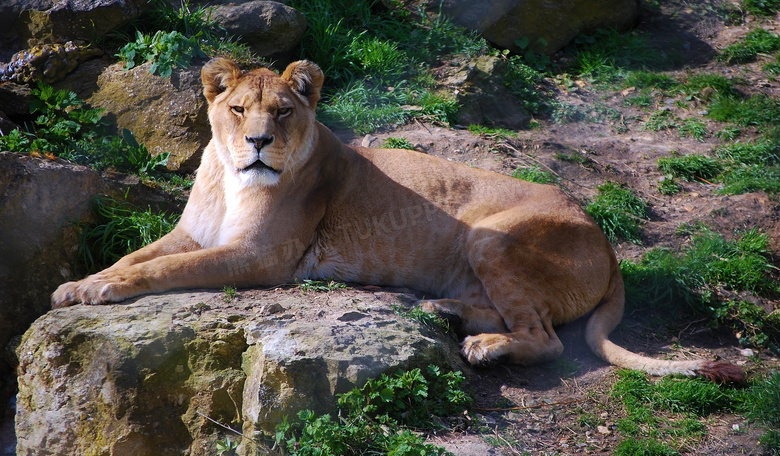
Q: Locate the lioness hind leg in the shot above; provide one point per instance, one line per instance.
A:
(465, 319)
(532, 269)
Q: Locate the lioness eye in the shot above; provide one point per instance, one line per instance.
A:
(237, 109)
(281, 112)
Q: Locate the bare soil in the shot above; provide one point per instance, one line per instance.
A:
(538, 409)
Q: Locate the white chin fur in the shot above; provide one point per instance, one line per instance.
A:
(262, 177)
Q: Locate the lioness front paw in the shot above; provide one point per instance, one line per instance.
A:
(64, 295)
(102, 288)
(484, 348)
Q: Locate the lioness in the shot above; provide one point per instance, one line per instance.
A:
(279, 198)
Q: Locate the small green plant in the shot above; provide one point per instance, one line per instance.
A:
(694, 128)
(690, 167)
(164, 49)
(565, 112)
(375, 419)
(729, 133)
(227, 446)
(580, 158)
(661, 120)
(320, 286)
(535, 174)
(398, 143)
(531, 53)
(524, 82)
(119, 229)
(642, 100)
(65, 128)
(668, 186)
(229, 294)
(618, 211)
(428, 319)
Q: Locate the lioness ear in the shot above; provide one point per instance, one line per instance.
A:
(217, 75)
(306, 78)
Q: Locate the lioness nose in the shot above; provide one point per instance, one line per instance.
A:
(260, 141)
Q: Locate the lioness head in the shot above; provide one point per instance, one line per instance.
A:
(263, 123)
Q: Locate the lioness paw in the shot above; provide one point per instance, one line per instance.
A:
(102, 288)
(64, 295)
(484, 348)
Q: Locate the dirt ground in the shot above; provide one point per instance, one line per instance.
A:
(537, 410)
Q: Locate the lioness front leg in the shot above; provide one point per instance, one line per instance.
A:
(207, 268)
(177, 241)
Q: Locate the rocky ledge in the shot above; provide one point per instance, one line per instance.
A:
(155, 375)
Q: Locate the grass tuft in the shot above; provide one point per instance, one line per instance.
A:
(618, 211)
(690, 167)
(535, 174)
(119, 229)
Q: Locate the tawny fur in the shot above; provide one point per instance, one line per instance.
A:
(278, 198)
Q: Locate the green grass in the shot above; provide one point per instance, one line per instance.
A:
(701, 83)
(758, 41)
(493, 132)
(757, 110)
(431, 320)
(666, 416)
(377, 62)
(618, 211)
(119, 229)
(379, 418)
(608, 55)
(690, 167)
(668, 186)
(649, 80)
(535, 174)
(761, 7)
(398, 143)
(687, 282)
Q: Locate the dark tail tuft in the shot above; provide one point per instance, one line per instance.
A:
(722, 372)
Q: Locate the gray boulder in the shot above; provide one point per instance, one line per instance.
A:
(271, 29)
(153, 377)
(504, 21)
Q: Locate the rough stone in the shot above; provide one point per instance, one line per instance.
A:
(143, 102)
(557, 23)
(478, 86)
(63, 20)
(271, 29)
(48, 62)
(145, 378)
(40, 202)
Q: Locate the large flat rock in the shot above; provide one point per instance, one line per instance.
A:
(147, 377)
